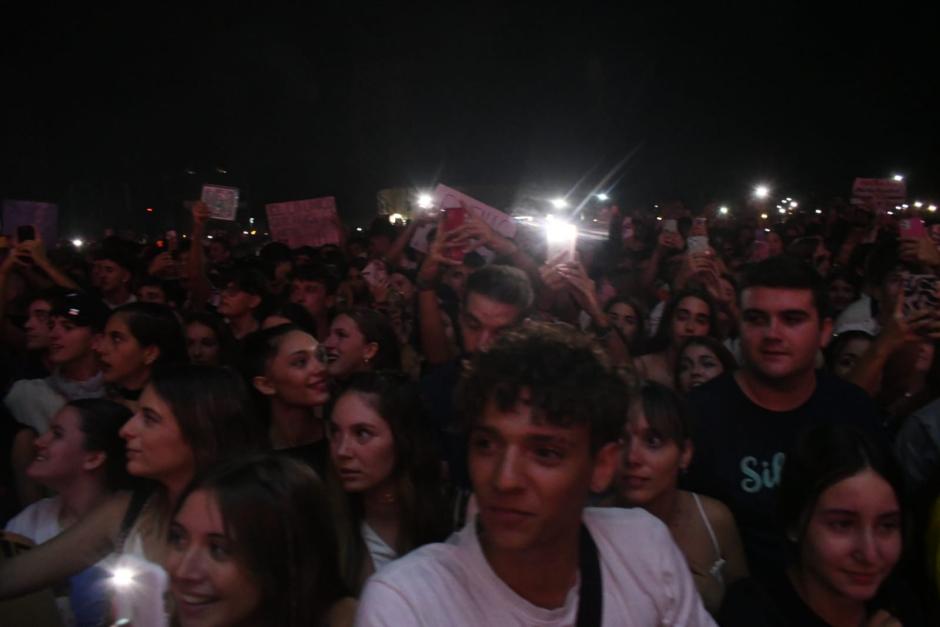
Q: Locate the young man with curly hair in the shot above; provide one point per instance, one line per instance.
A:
(544, 412)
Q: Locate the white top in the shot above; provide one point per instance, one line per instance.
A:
(380, 552)
(38, 522)
(645, 581)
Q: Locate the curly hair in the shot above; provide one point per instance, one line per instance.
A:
(566, 379)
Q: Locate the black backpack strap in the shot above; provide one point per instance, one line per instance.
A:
(591, 598)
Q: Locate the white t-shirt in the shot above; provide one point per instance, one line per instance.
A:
(380, 552)
(645, 581)
(38, 522)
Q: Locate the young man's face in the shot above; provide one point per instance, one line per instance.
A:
(781, 331)
(38, 325)
(483, 319)
(312, 295)
(108, 276)
(532, 480)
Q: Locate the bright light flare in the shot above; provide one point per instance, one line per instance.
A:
(559, 203)
(763, 216)
(122, 577)
(559, 232)
(425, 201)
(603, 197)
(898, 177)
(77, 242)
(761, 191)
(932, 208)
(396, 218)
(723, 211)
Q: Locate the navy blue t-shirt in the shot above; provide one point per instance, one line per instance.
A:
(740, 449)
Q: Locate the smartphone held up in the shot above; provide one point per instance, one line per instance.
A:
(561, 239)
(453, 219)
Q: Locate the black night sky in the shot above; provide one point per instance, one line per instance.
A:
(105, 110)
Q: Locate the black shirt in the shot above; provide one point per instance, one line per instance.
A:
(776, 603)
(740, 448)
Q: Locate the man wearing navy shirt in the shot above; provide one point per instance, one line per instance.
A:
(749, 419)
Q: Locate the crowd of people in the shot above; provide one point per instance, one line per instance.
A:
(700, 419)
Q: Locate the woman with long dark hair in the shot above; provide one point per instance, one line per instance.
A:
(840, 504)
(689, 313)
(385, 474)
(252, 542)
(189, 418)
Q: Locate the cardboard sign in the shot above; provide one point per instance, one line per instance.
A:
(304, 222)
(445, 198)
(222, 201)
(42, 215)
(879, 195)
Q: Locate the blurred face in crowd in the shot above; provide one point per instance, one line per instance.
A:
(848, 355)
(202, 344)
(841, 294)
(217, 252)
(455, 277)
(281, 276)
(312, 295)
(236, 302)
(774, 244)
(151, 294)
(347, 350)
(60, 451)
(650, 461)
(379, 245)
(362, 446)
(375, 274)
(402, 285)
(852, 540)
(483, 319)
(697, 365)
(210, 582)
(532, 478)
(690, 319)
(822, 259)
(296, 376)
(124, 361)
(781, 331)
(109, 277)
(625, 319)
(38, 325)
(156, 448)
(69, 342)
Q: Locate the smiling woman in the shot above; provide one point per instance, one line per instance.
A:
(840, 503)
(224, 568)
(190, 418)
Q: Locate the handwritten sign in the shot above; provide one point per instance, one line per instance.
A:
(222, 201)
(309, 222)
(446, 198)
(879, 195)
(42, 215)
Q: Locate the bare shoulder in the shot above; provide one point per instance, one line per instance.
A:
(717, 512)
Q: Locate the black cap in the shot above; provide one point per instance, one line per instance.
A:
(82, 309)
